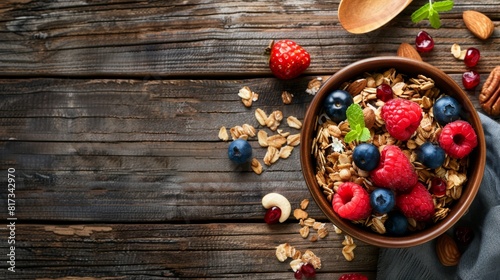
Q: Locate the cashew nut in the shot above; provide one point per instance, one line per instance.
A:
(278, 200)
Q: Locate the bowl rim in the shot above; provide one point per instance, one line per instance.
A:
(355, 70)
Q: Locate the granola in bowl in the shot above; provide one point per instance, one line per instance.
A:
(335, 157)
(407, 132)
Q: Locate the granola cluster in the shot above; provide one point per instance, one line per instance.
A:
(285, 251)
(334, 163)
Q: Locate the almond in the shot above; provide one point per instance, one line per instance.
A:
(406, 50)
(356, 87)
(479, 24)
(369, 117)
(447, 250)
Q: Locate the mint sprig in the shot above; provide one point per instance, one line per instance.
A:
(356, 121)
(431, 11)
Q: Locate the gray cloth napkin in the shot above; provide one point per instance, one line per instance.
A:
(481, 259)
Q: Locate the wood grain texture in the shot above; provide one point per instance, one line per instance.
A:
(159, 251)
(195, 38)
(137, 110)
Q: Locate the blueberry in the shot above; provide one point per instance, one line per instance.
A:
(336, 104)
(239, 151)
(382, 200)
(430, 155)
(446, 109)
(396, 224)
(366, 156)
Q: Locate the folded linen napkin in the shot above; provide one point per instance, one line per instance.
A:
(481, 259)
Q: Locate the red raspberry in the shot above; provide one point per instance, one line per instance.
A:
(394, 170)
(402, 117)
(416, 204)
(353, 276)
(352, 201)
(458, 139)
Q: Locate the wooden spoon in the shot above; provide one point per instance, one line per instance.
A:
(362, 16)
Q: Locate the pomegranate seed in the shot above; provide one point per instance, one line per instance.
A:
(384, 92)
(464, 235)
(438, 187)
(273, 215)
(472, 56)
(470, 79)
(308, 270)
(297, 274)
(424, 42)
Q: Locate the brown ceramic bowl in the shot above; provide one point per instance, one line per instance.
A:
(412, 68)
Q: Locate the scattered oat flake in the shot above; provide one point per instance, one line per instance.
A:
(285, 152)
(223, 134)
(261, 116)
(273, 121)
(337, 229)
(296, 264)
(304, 232)
(300, 214)
(293, 139)
(262, 138)
(286, 97)
(322, 232)
(309, 221)
(278, 115)
(290, 251)
(281, 252)
(248, 130)
(247, 102)
(313, 86)
(276, 141)
(256, 166)
(271, 156)
(318, 225)
(255, 96)
(310, 257)
(349, 256)
(293, 122)
(283, 133)
(245, 93)
(304, 203)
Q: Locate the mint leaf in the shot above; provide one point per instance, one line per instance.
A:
(355, 116)
(421, 14)
(365, 135)
(434, 19)
(442, 6)
(356, 121)
(351, 136)
(431, 11)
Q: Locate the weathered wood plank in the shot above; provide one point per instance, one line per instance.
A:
(136, 110)
(178, 38)
(146, 251)
(80, 110)
(146, 182)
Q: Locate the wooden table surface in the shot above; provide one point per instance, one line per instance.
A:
(110, 113)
